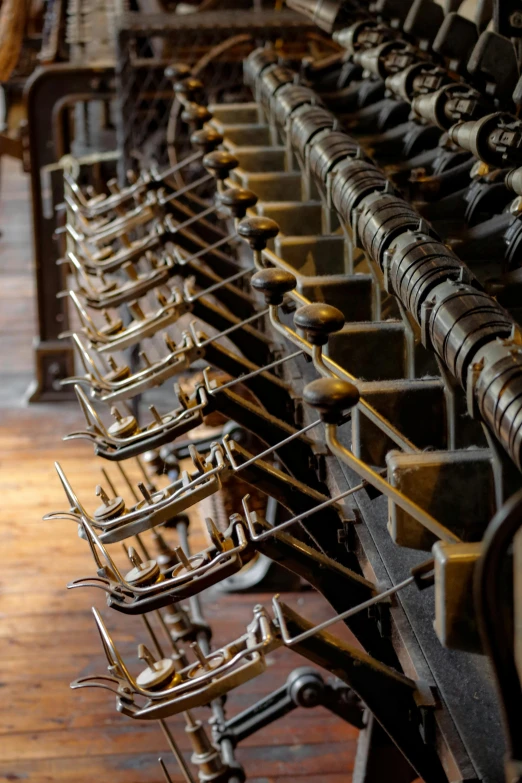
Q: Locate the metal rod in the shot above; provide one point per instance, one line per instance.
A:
(142, 469)
(194, 219)
(166, 775)
(289, 640)
(233, 328)
(176, 752)
(254, 373)
(186, 189)
(178, 166)
(142, 546)
(214, 246)
(221, 283)
(109, 482)
(266, 452)
(299, 517)
(127, 481)
(374, 478)
(153, 636)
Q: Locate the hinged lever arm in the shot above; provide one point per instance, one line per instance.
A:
(388, 694)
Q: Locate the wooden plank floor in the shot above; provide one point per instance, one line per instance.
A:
(47, 634)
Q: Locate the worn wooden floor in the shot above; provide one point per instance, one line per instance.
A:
(47, 634)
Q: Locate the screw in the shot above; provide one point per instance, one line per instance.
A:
(112, 363)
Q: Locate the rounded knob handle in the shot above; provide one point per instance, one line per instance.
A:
(318, 321)
(220, 163)
(196, 114)
(188, 87)
(257, 231)
(331, 397)
(238, 200)
(177, 71)
(206, 139)
(273, 284)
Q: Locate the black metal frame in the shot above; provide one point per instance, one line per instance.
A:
(48, 94)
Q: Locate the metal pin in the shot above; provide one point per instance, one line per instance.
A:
(305, 514)
(215, 535)
(145, 359)
(115, 412)
(130, 270)
(134, 557)
(272, 449)
(221, 283)
(183, 559)
(161, 299)
(145, 492)
(100, 492)
(200, 655)
(144, 654)
(142, 546)
(136, 311)
(154, 411)
(169, 342)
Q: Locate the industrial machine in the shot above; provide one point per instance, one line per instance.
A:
(328, 275)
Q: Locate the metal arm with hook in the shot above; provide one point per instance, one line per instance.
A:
(196, 685)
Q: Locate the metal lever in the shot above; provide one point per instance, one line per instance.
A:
(144, 588)
(164, 692)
